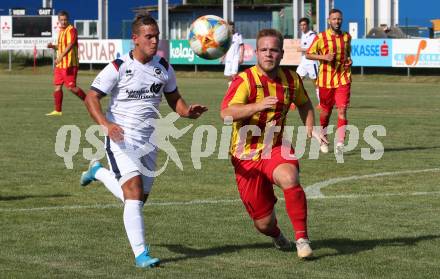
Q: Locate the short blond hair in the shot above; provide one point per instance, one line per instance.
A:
(271, 33)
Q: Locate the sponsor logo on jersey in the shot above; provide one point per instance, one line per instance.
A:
(155, 88)
(157, 72)
(144, 93)
(128, 72)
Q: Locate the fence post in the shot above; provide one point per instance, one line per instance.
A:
(10, 60)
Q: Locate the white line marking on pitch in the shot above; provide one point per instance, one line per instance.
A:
(313, 192)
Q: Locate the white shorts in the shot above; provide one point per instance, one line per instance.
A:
(231, 67)
(126, 163)
(310, 70)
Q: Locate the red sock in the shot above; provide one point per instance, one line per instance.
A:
(80, 94)
(324, 118)
(296, 207)
(58, 99)
(275, 232)
(341, 132)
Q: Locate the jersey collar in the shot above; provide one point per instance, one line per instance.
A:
(330, 33)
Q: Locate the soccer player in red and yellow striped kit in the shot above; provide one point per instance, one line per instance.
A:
(332, 48)
(66, 63)
(258, 101)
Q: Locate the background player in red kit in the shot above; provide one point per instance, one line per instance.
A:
(66, 63)
(332, 48)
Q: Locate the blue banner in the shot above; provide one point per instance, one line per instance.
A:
(372, 52)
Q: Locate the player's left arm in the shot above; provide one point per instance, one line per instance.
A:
(175, 100)
(240, 61)
(348, 61)
(305, 109)
(306, 112)
(178, 104)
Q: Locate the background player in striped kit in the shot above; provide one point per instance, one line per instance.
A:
(332, 48)
(66, 63)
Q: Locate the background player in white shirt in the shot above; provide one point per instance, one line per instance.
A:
(135, 83)
(307, 67)
(235, 54)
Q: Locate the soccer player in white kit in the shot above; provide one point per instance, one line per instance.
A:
(307, 67)
(135, 83)
(235, 54)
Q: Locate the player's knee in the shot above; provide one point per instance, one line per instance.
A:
(132, 187)
(264, 227)
(324, 111)
(286, 176)
(133, 192)
(288, 180)
(73, 89)
(342, 113)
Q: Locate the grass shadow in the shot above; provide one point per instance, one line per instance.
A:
(346, 246)
(342, 246)
(192, 253)
(24, 197)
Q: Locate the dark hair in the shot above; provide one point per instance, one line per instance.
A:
(142, 18)
(230, 22)
(334, 11)
(63, 13)
(306, 20)
(271, 33)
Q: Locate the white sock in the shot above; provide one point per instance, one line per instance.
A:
(317, 94)
(134, 225)
(110, 182)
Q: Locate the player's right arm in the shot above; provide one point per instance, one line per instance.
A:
(235, 103)
(314, 53)
(50, 45)
(241, 48)
(240, 112)
(93, 104)
(101, 86)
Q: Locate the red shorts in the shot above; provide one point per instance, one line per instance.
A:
(330, 96)
(255, 182)
(65, 76)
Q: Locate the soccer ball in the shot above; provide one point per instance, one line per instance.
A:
(210, 37)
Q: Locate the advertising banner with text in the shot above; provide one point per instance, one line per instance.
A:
(99, 51)
(181, 53)
(372, 52)
(15, 33)
(416, 53)
(364, 52)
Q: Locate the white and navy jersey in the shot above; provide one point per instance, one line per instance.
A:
(136, 91)
(306, 42)
(234, 50)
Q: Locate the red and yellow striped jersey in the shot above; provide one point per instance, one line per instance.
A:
(332, 74)
(66, 37)
(251, 86)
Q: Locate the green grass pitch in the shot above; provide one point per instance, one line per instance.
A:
(384, 226)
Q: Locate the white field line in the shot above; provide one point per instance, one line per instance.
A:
(313, 192)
